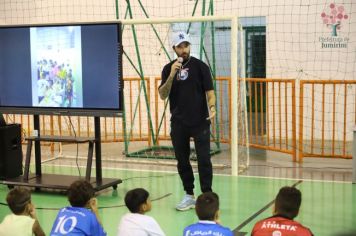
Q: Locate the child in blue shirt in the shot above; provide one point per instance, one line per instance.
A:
(207, 209)
(82, 217)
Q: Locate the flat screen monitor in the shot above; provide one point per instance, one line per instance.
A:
(73, 69)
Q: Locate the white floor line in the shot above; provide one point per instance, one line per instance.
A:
(136, 161)
(308, 180)
(227, 175)
(117, 168)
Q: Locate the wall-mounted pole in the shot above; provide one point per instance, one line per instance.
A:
(354, 158)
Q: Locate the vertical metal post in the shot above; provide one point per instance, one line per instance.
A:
(117, 9)
(97, 132)
(301, 119)
(234, 94)
(213, 65)
(242, 93)
(202, 30)
(294, 124)
(36, 126)
(123, 102)
(354, 158)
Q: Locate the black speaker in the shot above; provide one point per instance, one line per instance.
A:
(10, 151)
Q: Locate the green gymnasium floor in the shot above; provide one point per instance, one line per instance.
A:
(327, 208)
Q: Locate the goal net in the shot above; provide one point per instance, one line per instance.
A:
(293, 41)
(147, 48)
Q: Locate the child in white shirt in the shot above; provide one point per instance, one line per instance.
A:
(136, 223)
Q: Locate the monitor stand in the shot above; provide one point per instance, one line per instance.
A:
(53, 181)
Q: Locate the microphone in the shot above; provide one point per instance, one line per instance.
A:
(180, 60)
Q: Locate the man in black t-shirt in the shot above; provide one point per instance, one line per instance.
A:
(188, 84)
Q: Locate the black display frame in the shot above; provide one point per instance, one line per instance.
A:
(75, 111)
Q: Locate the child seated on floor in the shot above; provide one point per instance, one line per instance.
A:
(136, 223)
(23, 220)
(207, 209)
(286, 208)
(82, 217)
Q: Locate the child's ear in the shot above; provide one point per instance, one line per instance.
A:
(89, 203)
(217, 217)
(143, 207)
(28, 208)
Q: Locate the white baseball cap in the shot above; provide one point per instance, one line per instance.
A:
(179, 38)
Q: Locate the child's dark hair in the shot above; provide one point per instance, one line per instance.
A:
(207, 205)
(135, 198)
(17, 199)
(80, 192)
(288, 201)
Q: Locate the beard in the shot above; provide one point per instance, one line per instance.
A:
(185, 56)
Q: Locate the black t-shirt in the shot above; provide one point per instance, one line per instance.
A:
(187, 98)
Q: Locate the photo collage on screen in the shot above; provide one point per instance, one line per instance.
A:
(56, 66)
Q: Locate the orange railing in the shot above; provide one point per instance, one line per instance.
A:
(269, 103)
(137, 120)
(112, 128)
(332, 109)
(327, 109)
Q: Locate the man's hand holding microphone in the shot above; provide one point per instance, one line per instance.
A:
(176, 66)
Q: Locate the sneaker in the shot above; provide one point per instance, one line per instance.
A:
(187, 203)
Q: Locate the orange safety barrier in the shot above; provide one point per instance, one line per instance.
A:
(141, 131)
(271, 116)
(323, 150)
(270, 126)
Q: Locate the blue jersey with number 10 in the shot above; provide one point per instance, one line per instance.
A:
(75, 221)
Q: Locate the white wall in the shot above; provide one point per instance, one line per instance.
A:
(294, 30)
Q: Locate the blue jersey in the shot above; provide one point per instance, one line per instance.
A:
(75, 221)
(207, 228)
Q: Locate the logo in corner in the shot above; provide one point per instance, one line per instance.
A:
(333, 17)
